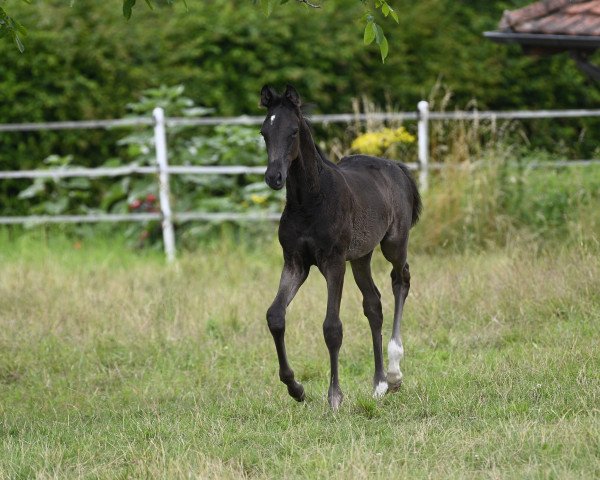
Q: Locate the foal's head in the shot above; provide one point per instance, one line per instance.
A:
(281, 132)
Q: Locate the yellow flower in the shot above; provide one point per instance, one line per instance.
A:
(376, 143)
(258, 199)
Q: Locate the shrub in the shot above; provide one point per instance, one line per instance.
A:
(381, 143)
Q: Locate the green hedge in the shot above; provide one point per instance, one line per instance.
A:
(87, 61)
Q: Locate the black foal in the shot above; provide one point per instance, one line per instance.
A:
(333, 214)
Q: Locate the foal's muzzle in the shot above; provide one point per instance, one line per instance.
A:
(274, 180)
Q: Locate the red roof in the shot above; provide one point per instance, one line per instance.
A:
(555, 17)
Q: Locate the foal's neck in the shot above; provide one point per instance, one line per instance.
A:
(304, 175)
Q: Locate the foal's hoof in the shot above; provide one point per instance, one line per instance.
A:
(394, 381)
(380, 389)
(335, 398)
(296, 390)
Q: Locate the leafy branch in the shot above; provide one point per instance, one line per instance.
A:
(373, 30)
(306, 2)
(9, 27)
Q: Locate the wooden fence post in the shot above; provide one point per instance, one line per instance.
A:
(160, 143)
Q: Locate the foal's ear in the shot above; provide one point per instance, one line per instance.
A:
(292, 95)
(266, 96)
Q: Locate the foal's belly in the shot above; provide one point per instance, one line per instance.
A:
(368, 229)
(372, 210)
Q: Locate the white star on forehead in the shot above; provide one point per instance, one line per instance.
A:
(273, 119)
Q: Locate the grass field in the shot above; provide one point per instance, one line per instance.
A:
(113, 365)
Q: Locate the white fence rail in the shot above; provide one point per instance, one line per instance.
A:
(130, 170)
(163, 170)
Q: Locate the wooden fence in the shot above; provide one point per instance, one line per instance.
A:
(163, 170)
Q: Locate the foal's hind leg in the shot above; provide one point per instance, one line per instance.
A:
(361, 268)
(292, 278)
(394, 250)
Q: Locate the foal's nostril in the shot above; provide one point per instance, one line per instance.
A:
(274, 180)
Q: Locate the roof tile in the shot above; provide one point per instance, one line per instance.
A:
(558, 17)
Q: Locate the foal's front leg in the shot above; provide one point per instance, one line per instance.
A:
(332, 327)
(292, 277)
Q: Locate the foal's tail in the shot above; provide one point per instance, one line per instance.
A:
(417, 204)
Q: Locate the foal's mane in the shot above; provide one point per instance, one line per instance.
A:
(320, 152)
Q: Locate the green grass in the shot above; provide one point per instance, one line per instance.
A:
(113, 365)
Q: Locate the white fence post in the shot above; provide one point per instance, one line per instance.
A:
(160, 143)
(423, 136)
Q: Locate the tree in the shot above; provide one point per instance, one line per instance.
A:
(11, 28)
